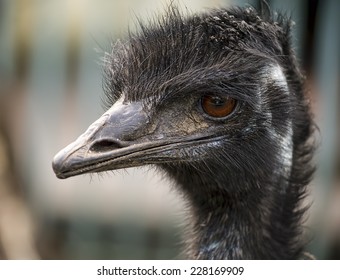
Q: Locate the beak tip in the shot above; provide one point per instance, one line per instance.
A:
(57, 166)
(60, 176)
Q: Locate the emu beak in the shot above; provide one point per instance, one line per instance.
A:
(116, 140)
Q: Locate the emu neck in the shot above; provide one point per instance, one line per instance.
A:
(227, 228)
(240, 222)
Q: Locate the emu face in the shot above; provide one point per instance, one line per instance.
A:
(184, 91)
(202, 114)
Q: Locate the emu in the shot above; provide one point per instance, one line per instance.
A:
(215, 100)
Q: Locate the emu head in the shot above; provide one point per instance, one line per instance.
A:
(198, 93)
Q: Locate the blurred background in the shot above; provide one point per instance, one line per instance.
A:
(50, 91)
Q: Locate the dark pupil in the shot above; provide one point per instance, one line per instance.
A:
(217, 102)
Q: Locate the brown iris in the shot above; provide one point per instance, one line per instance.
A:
(217, 106)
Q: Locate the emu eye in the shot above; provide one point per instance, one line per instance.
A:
(218, 107)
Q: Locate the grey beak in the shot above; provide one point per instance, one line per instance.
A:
(114, 136)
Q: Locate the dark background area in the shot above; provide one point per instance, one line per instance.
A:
(50, 91)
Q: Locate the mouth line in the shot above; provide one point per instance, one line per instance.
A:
(133, 154)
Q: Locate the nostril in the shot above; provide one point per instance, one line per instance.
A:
(107, 145)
